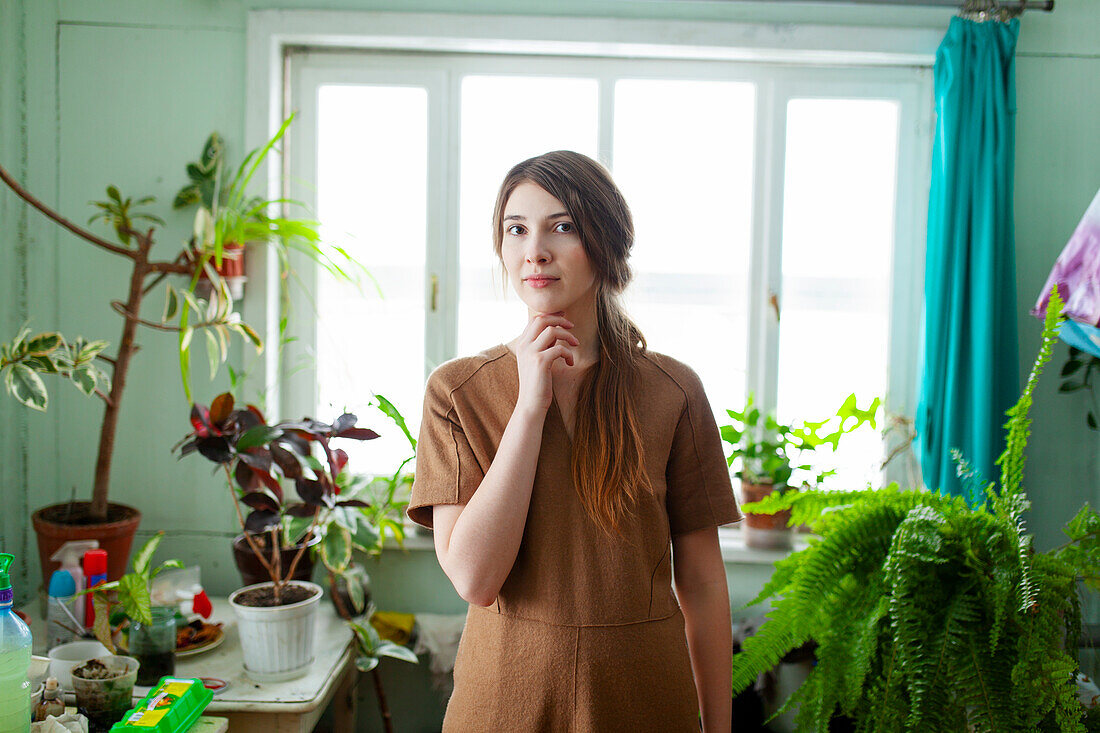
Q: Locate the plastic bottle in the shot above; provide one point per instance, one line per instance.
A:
(95, 573)
(15, 660)
(70, 555)
(61, 623)
(51, 702)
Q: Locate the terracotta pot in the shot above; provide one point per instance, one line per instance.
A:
(756, 492)
(231, 270)
(252, 570)
(60, 523)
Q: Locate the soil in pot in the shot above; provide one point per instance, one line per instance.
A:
(265, 597)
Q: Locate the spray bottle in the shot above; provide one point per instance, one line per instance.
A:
(95, 573)
(70, 555)
(15, 659)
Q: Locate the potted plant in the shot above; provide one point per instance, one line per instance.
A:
(150, 630)
(929, 613)
(276, 617)
(768, 452)
(238, 218)
(370, 648)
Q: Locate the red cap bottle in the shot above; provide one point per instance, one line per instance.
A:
(95, 573)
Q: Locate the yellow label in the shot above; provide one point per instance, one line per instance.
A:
(176, 687)
(146, 718)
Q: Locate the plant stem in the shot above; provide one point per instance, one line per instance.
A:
(387, 723)
(240, 519)
(118, 379)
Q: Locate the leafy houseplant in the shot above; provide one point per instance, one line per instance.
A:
(152, 630)
(768, 452)
(931, 614)
(239, 216)
(256, 458)
(370, 647)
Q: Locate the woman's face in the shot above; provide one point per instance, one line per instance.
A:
(543, 253)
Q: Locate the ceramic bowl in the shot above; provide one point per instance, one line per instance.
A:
(66, 656)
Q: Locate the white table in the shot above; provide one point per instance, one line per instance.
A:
(271, 707)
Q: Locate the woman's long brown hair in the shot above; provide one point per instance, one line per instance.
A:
(608, 462)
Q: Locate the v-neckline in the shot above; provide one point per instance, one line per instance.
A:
(555, 408)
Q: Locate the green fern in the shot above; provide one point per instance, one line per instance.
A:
(931, 613)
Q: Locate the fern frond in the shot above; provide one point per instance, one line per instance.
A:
(1011, 460)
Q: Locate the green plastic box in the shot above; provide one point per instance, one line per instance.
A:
(172, 706)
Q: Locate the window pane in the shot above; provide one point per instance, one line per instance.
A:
(683, 158)
(838, 237)
(507, 119)
(372, 198)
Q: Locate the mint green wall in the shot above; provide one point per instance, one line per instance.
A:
(125, 92)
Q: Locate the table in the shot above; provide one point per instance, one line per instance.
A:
(293, 706)
(205, 724)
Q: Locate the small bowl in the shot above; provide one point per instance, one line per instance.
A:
(64, 657)
(39, 670)
(36, 696)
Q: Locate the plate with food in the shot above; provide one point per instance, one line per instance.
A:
(197, 637)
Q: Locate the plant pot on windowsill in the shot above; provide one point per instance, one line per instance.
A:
(57, 524)
(277, 641)
(765, 531)
(252, 570)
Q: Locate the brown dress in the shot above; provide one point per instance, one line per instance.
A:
(585, 634)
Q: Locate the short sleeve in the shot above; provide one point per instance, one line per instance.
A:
(699, 492)
(447, 472)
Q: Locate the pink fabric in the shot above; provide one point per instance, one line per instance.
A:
(1077, 272)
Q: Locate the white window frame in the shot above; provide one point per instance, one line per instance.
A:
(895, 64)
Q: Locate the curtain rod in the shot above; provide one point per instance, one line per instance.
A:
(1007, 5)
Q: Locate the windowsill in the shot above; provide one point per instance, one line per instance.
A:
(730, 539)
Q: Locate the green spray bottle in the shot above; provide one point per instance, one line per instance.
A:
(15, 659)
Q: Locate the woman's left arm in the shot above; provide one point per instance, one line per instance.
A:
(700, 577)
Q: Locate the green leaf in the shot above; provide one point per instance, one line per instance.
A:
(336, 547)
(389, 649)
(133, 594)
(112, 193)
(43, 344)
(257, 436)
(171, 304)
(166, 565)
(394, 414)
(366, 664)
(90, 350)
(213, 352)
(1071, 366)
(84, 379)
(26, 386)
(251, 335)
(145, 554)
(356, 592)
(102, 625)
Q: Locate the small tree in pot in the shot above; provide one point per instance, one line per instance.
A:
(257, 458)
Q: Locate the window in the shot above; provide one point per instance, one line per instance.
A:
(774, 210)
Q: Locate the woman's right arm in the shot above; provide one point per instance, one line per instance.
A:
(477, 542)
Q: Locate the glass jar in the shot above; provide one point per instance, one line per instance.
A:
(154, 645)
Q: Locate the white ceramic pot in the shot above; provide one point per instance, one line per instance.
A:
(277, 641)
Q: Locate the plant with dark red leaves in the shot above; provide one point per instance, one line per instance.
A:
(257, 458)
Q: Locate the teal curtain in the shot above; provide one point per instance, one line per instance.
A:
(969, 371)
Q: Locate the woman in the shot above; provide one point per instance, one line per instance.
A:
(558, 471)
